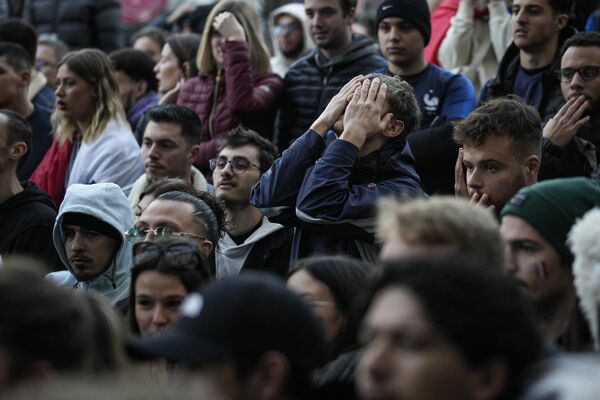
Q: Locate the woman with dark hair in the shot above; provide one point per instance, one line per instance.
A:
(164, 271)
(331, 285)
(177, 61)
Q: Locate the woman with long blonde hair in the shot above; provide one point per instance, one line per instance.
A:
(93, 142)
(235, 84)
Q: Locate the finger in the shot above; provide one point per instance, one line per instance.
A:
(355, 96)
(484, 200)
(581, 122)
(458, 167)
(373, 90)
(352, 84)
(580, 110)
(380, 101)
(364, 90)
(475, 198)
(574, 106)
(564, 108)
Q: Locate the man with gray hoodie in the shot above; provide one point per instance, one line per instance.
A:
(290, 36)
(90, 241)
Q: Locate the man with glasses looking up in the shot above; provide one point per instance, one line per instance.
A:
(251, 241)
(572, 137)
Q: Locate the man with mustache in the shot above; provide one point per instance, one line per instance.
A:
(535, 224)
(252, 241)
(90, 241)
(539, 28)
(403, 31)
(312, 81)
(571, 138)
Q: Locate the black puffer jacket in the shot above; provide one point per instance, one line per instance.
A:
(312, 81)
(502, 84)
(79, 23)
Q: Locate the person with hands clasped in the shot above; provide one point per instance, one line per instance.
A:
(329, 190)
(571, 138)
(235, 84)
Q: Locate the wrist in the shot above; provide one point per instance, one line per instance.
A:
(354, 137)
(320, 127)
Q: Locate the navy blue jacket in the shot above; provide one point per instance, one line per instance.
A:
(312, 81)
(329, 193)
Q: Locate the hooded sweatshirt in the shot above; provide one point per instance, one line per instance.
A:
(280, 63)
(276, 240)
(106, 202)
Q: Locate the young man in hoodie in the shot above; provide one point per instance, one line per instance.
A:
(527, 69)
(290, 36)
(313, 80)
(252, 241)
(329, 191)
(89, 238)
(27, 214)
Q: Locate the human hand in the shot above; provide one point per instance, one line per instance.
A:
(567, 121)
(482, 200)
(180, 11)
(336, 107)
(229, 27)
(362, 118)
(460, 177)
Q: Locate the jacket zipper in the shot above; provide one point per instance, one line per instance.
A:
(214, 105)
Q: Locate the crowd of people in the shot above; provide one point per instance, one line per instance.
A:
(273, 200)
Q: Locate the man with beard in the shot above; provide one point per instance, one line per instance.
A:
(535, 225)
(252, 241)
(500, 152)
(539, 28)
(572, 137)
(289, 33)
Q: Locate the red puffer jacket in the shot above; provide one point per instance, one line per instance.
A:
(241, 98)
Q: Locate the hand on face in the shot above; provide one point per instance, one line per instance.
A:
(333, 113)
(567, 121)
(229, 27)
(362, 118)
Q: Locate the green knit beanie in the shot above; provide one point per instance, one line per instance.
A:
(552, 208)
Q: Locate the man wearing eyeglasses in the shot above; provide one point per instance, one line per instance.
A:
(290, 36)
(572, 136)
(539, 28)
(251, 241)
(88, 236)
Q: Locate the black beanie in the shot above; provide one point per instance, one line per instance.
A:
(91, 223)
(414, 11)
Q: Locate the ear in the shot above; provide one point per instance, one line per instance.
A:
(490, 379)
(207, 247)
(392, 127)
(269, 377)
(531, 167)
(561, 21)
(140, 89)
(193, 153)
(26, 77)
(17, 150)
(186, 69)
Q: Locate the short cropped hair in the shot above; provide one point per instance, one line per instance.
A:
(240, 136)
(561, 6)
(401, 99)
(481, 312)
(15, 56)
(136, 64)
(581, 39)
(18, 130)
(186, 118)
(59, 47)
(164, 185)
(443, 221)
(508, 116)
(15, 30)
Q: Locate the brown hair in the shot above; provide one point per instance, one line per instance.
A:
(510, 117)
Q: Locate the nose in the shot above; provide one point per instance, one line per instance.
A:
(58, 92)
(520, 16)
(227, 169)
(474, 180)
(159, 317)
(375, 360)
(153, 151)
(77, 243)
(510, 260)
(150, 235)
(156, 68)
(577, 82)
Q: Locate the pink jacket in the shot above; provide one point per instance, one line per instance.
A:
(241, 98)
